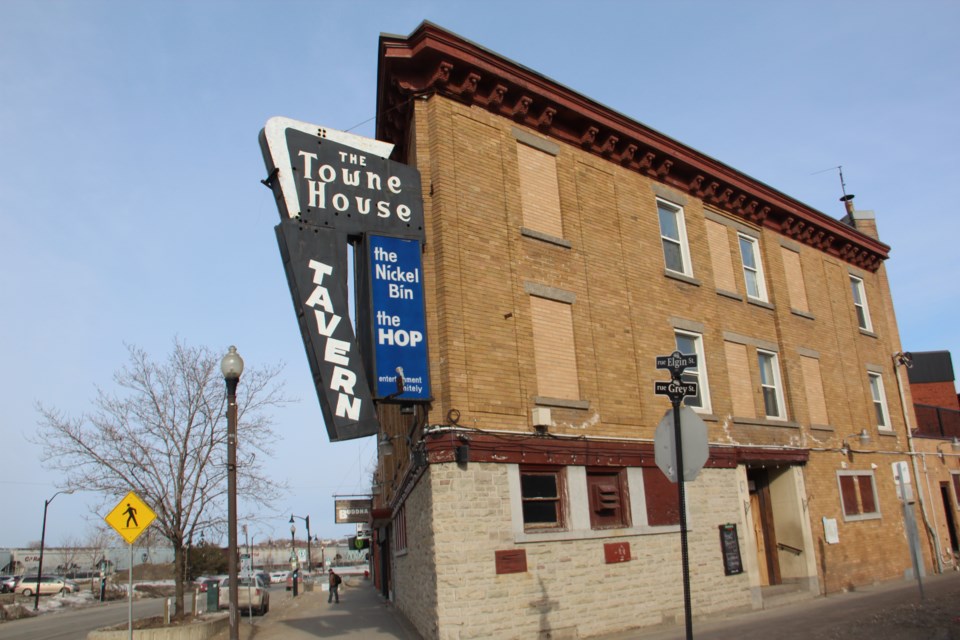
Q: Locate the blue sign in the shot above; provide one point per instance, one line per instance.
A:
(399, 319)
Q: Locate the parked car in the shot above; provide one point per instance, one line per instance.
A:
(264, 578)
(252, 593)
(49, 585)
(7, 583)
(276, 577)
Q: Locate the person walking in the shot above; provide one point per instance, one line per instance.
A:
(334, 587)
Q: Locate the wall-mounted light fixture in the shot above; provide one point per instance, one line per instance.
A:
(386, 445)
(954, 446)
(863, 439)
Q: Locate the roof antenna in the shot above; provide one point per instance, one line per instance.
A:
(847, 199)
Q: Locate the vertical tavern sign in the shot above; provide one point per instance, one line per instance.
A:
(333, 191)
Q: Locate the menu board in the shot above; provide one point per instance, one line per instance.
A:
(730, 547)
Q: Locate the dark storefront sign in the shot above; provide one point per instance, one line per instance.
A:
(347, 511)
(332, 190)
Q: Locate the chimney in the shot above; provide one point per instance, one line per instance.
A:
(863, 221)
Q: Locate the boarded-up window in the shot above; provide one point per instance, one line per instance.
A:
(400, 529)
(718, 239)
(795, 286)
(858, 495)
(738, 370)
(662, 498)
(848, 494)
(554, 353)
(607, 499)
(813, 386)
(956, 489)
(539, 192)
(867, 502)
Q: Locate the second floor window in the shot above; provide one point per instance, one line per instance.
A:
(673, 235)
(770, 385)
(879, 401)
(692, 343)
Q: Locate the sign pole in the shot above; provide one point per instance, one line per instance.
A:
(130, 595)
(684, 554)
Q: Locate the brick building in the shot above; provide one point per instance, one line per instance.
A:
(567, 246)
(932, 383)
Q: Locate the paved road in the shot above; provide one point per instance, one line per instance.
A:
(74, 624)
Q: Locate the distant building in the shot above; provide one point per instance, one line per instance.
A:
(933, 385)
(567, 246)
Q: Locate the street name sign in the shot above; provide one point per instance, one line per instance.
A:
(130, 517)
(675, 389)
(696, 447)
(676, 362)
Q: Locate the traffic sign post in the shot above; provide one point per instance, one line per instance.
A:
(677, 390)
(130, 518)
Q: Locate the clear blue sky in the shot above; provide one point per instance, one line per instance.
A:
(132, 210)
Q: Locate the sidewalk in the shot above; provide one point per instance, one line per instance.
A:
(362, 613)
(891, 610)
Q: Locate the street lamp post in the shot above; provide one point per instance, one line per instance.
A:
(43, 535)
(293, 559)
(232, 366)
(309, 557)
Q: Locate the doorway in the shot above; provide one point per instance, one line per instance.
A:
(761, 510)
(951, 521)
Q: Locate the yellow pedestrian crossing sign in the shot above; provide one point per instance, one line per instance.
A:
(130, 517)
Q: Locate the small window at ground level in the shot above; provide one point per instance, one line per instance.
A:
(858, 495)
(608, 501)
(541, 493)
(662, 498)
(400, 529)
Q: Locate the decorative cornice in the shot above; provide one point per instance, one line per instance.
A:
(434, 61)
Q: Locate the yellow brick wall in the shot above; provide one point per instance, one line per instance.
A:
(478, 265)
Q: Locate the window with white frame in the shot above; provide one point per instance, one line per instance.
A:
(692, 343)
(673, 235)
(771, 385)
(879, 401)
(752, 268)
(858, 495)
(860, 303)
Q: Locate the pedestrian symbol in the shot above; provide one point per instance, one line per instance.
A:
(130, 517)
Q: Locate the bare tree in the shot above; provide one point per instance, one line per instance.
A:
(162, 433)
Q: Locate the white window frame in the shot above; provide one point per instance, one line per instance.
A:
(879, 398)
(776, 384)
(859, 293)
(698, 373)
(681, 241)
(757, 269)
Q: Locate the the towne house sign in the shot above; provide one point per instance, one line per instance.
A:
(336, 191)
